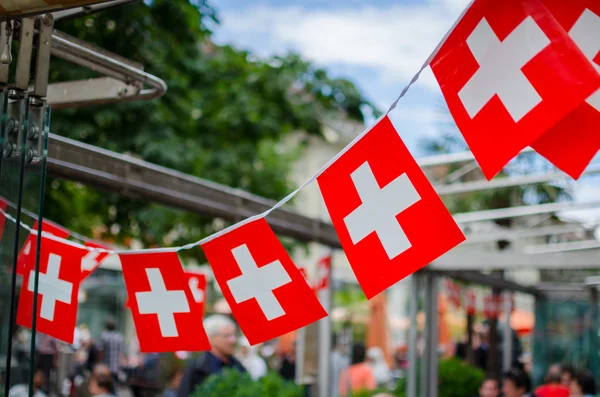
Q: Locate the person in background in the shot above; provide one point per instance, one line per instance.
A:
(46, 354)
(516, 384)
(482, 350)
(379, 366)
(489, 388)
(221, 333)
(248, 356)
(22, 390)
(339, 362)
(173, 382)
(553, 386)
(287, 369)
(567, 375)
(583, 385)
(111, 347)
(101, 382)
(359, 376)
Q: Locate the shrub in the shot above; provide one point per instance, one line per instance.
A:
(231, 383)
(458, 379)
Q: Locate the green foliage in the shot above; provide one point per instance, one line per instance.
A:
(231, 383)
(458, 379)
(222, 119)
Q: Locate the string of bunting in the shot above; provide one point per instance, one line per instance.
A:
(494, 68)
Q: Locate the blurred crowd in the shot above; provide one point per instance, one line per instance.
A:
(107, 366)
(560, 381)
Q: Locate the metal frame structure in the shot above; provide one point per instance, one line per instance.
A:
(126, 81)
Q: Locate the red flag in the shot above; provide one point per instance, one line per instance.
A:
(165, 314)
(453, 290)
(92, 259)
(509, 72)
(267, 293)
(572, 143)
(58, 289)
(3, 207)
(389, 219)
(492, 306)
(324, 273)
(197, 283)
(26, 258)
(471, 302)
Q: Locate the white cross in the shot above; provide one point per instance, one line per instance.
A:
(198, 293)
(258, 282)
(89, 262)
(162, 302)
(51, 287)
(379, 209)
(27, 248)
(586, 34)
(500, 64)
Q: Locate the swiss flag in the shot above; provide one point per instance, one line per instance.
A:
(267, 293)
(471, 302)
(509, 72)
(93, 258)
(196, 281)
(3, 207)
(572, 143)
(58, 289)
(26, 258)
(453, 290)
(389, 219)
(491, 306)
(165, 314)
(323, 273)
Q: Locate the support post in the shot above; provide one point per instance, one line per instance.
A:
(325, 378)
(594, 330)
(300, 348)
(429, 367)
(432, 289)
(424, 375)
(507, 345)
(413, 331)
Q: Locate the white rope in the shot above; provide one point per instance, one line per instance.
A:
(282, 201)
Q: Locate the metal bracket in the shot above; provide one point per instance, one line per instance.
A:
(6, 33)
(125, 80)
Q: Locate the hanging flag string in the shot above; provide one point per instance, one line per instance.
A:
(279, 204)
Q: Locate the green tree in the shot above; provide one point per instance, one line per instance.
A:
(222, 119)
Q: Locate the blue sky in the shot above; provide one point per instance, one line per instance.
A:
(377, 44)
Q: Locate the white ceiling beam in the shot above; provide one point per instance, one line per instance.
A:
(469, 260)
(451, 158)
(515, 234)
(526, 210)
(499, 183)
(562, 247)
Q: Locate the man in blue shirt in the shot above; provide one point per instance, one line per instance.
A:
(221, 333)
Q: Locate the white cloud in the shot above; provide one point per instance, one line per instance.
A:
(394, 41)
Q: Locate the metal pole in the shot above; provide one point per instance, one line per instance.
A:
(433, 335)
(507, 351)
(324, 376)
(300, 348)
(594, 330)
(411, 376)
(424, 388)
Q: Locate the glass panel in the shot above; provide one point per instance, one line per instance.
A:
(13, 343)
(24, 132)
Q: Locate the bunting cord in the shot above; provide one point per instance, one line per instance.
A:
(279, 204)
